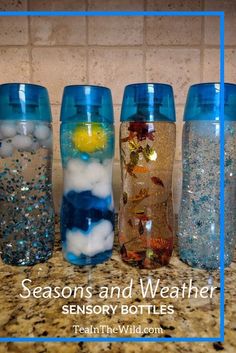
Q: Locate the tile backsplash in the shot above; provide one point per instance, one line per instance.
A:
(115, 51)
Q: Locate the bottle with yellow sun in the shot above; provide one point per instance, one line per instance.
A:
(87, 150)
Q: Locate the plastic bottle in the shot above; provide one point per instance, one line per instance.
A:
(87, 150)
(147, 147)
(199, 218)
(26, 205)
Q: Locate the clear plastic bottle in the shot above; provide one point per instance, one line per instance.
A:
(26, 204)
(87, 150)
(147, 147)
(199, 217)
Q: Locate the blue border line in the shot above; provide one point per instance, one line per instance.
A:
(219, 14)
(222, 170)
(110, 13)
(111, 339)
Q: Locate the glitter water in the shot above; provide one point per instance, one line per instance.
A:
(27, 215)
(199, 218)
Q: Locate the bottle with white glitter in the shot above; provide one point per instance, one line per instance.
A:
(87, 150)
(199, 217)
(26, 205)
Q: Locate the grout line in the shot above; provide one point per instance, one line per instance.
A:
(202, 44)
(144, 43)
(87, 45)
(30, 46)
(133, 47)
(203, 5)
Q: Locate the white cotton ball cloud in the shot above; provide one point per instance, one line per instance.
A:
(100, 239)
(25, 127)
(42, 132)
(8, 130)
(33, 147)
(6, 149)
(95, 176)
(22, 142)
(47, 143)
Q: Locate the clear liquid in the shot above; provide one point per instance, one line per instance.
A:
(146, 224)
(26, 207)
(199, 218)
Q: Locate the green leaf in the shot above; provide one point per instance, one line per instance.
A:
(134, 158)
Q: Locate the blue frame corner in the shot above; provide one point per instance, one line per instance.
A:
(219, 14)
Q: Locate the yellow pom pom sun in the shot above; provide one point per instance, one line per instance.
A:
(89, 138)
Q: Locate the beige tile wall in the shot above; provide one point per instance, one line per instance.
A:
(115, 51)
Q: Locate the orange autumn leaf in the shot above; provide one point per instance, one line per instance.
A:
(122, 238)
(134, 255)
(142, 194)
(159, 243)
(140, 169)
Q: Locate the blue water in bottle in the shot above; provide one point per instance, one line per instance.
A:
(199, 217)
(87, 150)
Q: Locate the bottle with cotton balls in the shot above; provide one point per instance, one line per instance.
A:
(26, 212)
(87, 150)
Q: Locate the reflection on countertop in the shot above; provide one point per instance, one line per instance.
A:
(44, 318)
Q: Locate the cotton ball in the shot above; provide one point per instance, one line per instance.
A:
(100, 175)
(103, 228)
(42, 132)
(21, 142)
(94, 176)
(76, 166)
(108, 163)
(75, 178)
(47, 143)
(33, 148)
(8, 129)
(6, 149)
(109, 241)
(25, 127)
(76, 181)
(95, 172)
(98, 240)
(102, 189)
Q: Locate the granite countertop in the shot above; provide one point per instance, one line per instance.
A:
(43, 317)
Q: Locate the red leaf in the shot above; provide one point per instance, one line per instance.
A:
(130, 223)
(157, 181)
(123, 251)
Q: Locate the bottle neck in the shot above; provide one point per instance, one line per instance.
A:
(24, 108)
(88, 111)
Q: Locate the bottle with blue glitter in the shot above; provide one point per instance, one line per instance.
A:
(87, 150)
(26, 205)
(199, 217)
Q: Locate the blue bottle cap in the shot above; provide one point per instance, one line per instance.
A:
(86, 103)
(148, 102)
(24, 101)
(203, 102)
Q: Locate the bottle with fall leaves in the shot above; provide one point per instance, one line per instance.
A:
(147, 147)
